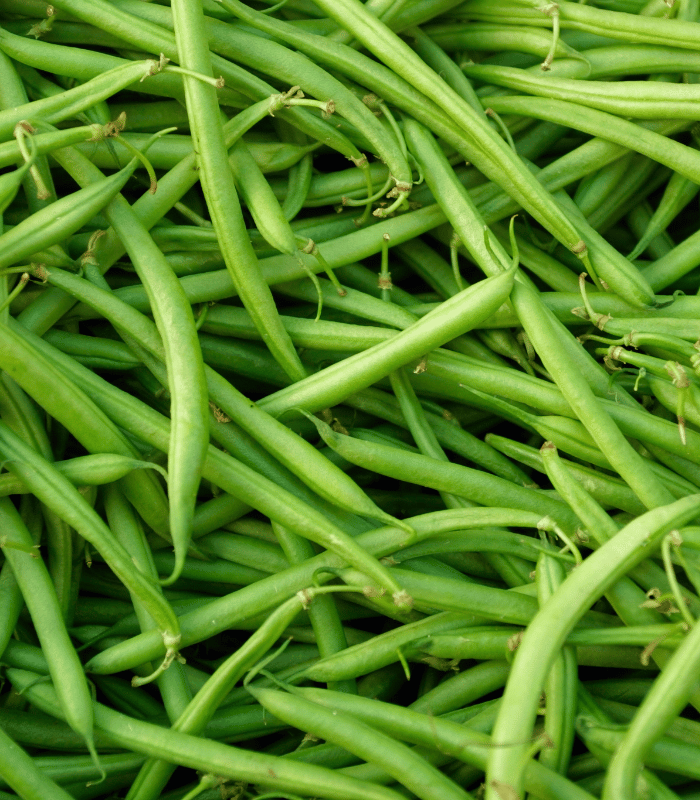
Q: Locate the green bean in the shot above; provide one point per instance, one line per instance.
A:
(256, 599)
(267, 497)
(444, 476)
(666, 754)
(678, 193)
(60, 219)
(67, 769)
(79, 414)
(301, 458)
(582, 400)
(238, 45)
(56, 491)
(126, 529)
(428, 445)
(454, 438)
(217, 183)
(461, 741)
(67, 104)
(498, 37)
(496, 161)
(11, 604)
(636, 99)
(22, 775)
(605, 489)
(405, 766)
(173, 315)
(456, 316)
(41, 600)
(92, 470)
(536, 650)
(213, 757)
(667, 697)
(194, 717)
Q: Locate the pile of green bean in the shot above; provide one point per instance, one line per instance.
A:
(349, 400)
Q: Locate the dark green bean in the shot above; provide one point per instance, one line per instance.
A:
(210, 756)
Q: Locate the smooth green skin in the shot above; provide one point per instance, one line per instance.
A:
(210, 756)
(465, 744)
(40, 597)
(59, 494)
(443, 476)
(447, 370)
(301, 458)
(637, 99)
(326, 623)
(149, 37)
(76, 411)
(492, 641)
(449, 436)
(286, 66)
(597, 187)
(570, 436)
(625, 596)
(454, 317)
(260, 200)
(68, 769)
(480, 144)
(667, 697)
(599, 123)
(173, 315)
(234, 477)
(404, 765)
(492, 37)
(92, 470)
(219, 190)
(611, 24)
(54, 223)
(299, 176)
(678, 262)
(23, 416)
(127, 530)
(20, 772)
(562, 681)
(67, 104)
(547, 632)
(463, 689)
(678, 193)
(631, 467)
(607, 490)
(666, 754)
(256, 599)
(426, 439)
(457, 205)
(194, 718)
(83, 64)
(11, 604)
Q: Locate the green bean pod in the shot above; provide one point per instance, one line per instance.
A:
(37, 589)
(189, 432)
(454, 317)
(463, 742)
(405, 766)
(59, 494)
(155, 772)
(547, 631)
(92, 470)
(22, 774)
(210, 756)
(62, 218)
(444, 476)
(288, 448)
